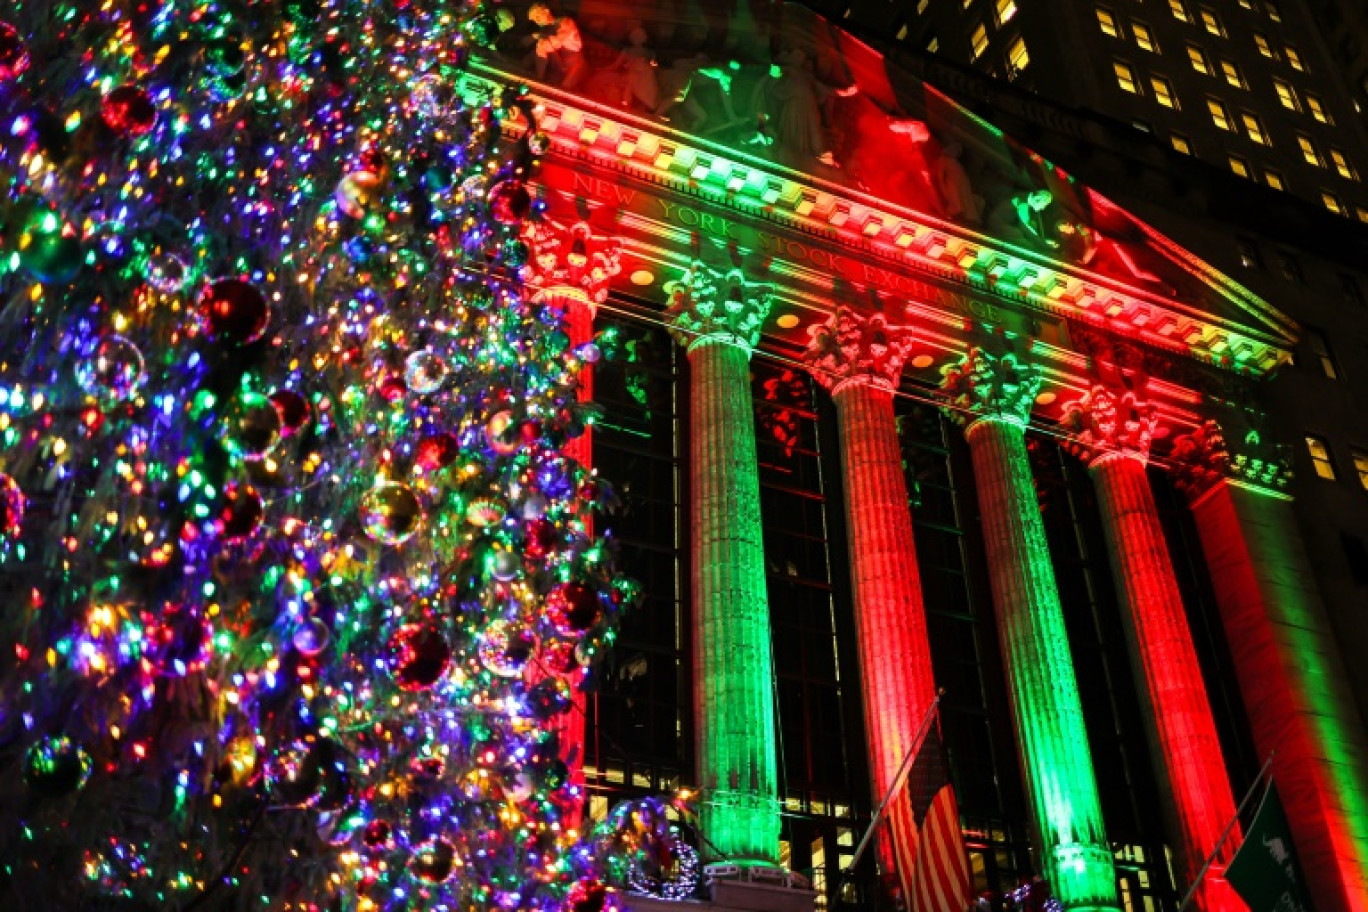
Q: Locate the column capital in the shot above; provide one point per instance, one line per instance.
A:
(710, 306)
(987, 386)
(852, 348)
(1108, 422)
(1202, 458)
(571, 263)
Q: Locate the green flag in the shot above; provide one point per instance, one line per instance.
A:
(1265, 871)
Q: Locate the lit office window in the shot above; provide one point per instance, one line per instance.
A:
(1246, 4)
(1293, 58)
(1273, 12)
(1125, 77)
(922, 5)
(1320, 457)
(1361, 213)
(1143, 37)
(1181, 143)
(1286, 94)
(1163, 92)
(1313, 104)
(1342, 165)
(1333, 203)
(1017, 56)
(1212, 23)
(1309, 151)
(1232, 74)
(1254, 127)
(1179, 11)
(1107, 22)
(1239, 166)
(1006, 9)
(1197, 57)
(1263, 45)
(978, 42)
(1219, 115)
(1274, 180)
(1361, 466)
(933, 45)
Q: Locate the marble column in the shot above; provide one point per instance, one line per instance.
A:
(717, 317)
(1290, 673)
(992, 396)
(859, 359)
(570, 269)
(1111, 431)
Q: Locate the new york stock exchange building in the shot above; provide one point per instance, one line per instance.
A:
(906, 413)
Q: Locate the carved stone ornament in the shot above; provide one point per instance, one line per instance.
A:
(850, 348)
(571, 262)
(1202, 458)
(1105, 422)
(719, 306)
(984, 385)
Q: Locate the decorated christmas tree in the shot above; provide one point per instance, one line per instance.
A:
(297, 573)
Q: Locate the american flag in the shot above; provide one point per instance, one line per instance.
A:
(933, 867)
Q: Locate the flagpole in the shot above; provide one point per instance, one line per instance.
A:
(1225, 834)
(896, 783)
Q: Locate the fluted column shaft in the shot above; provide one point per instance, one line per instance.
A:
(1181, 730)
(733, 660)
(890, 617)
(1042, 686)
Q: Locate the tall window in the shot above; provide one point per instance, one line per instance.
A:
(1197, 57)
(1239, 166)
(1313, 104)
(1232, 74)
(1309, 151)
(1143, 37)
(1342, 165)
(1181, 143)
(1219, 115)
(1294, 58)
(1107, 22)
(1361, 466)
(1163, 92)
(1264, 48)
(978, 41)
(1179, 11)
(1320, 457)
(1274, 179)
(1006, 9)
(1320, 350)
(1286, 94)
(1125, 77)
(1254, 127)
(1212, 23)
(1017, 56)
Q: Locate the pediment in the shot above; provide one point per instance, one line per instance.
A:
(763, 135)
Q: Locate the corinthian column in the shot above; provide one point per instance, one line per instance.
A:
(1112, 433)
(717, 318)
(992, 397)
(570, 269)
(1289, 670)
(860, 359)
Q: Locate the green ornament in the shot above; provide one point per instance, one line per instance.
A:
(48, 248)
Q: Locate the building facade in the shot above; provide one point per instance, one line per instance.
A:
(900, 403)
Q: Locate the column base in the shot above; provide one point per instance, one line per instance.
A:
(1084, 877)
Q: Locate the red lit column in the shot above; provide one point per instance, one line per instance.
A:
(570, 269)
(860, 359)
(1290, 673)
(1112, 435)
(717, 318)
(993, 395)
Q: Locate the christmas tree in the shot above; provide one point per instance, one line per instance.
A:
(297, 571)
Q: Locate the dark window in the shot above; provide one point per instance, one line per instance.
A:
(1351, 288)
(1320, 349)
(1357, 556)
(1290, 268)
(1249, 254)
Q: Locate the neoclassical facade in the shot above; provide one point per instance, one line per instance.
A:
(884, 246)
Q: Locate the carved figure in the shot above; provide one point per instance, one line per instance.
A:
(635, 67)
(556, 43)
(679, 83)
(953, 187)
(789, 106)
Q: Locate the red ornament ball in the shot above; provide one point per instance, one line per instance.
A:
(293, 409)
(242, 512)
(377, 835)
(437, 451)
(14, 56)
(509, 202)
(434, 861)
(235, 311)
(128, 111)
(574, 607)
(418, 656)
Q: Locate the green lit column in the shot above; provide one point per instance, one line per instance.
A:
(717, 318)
(992, 396)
